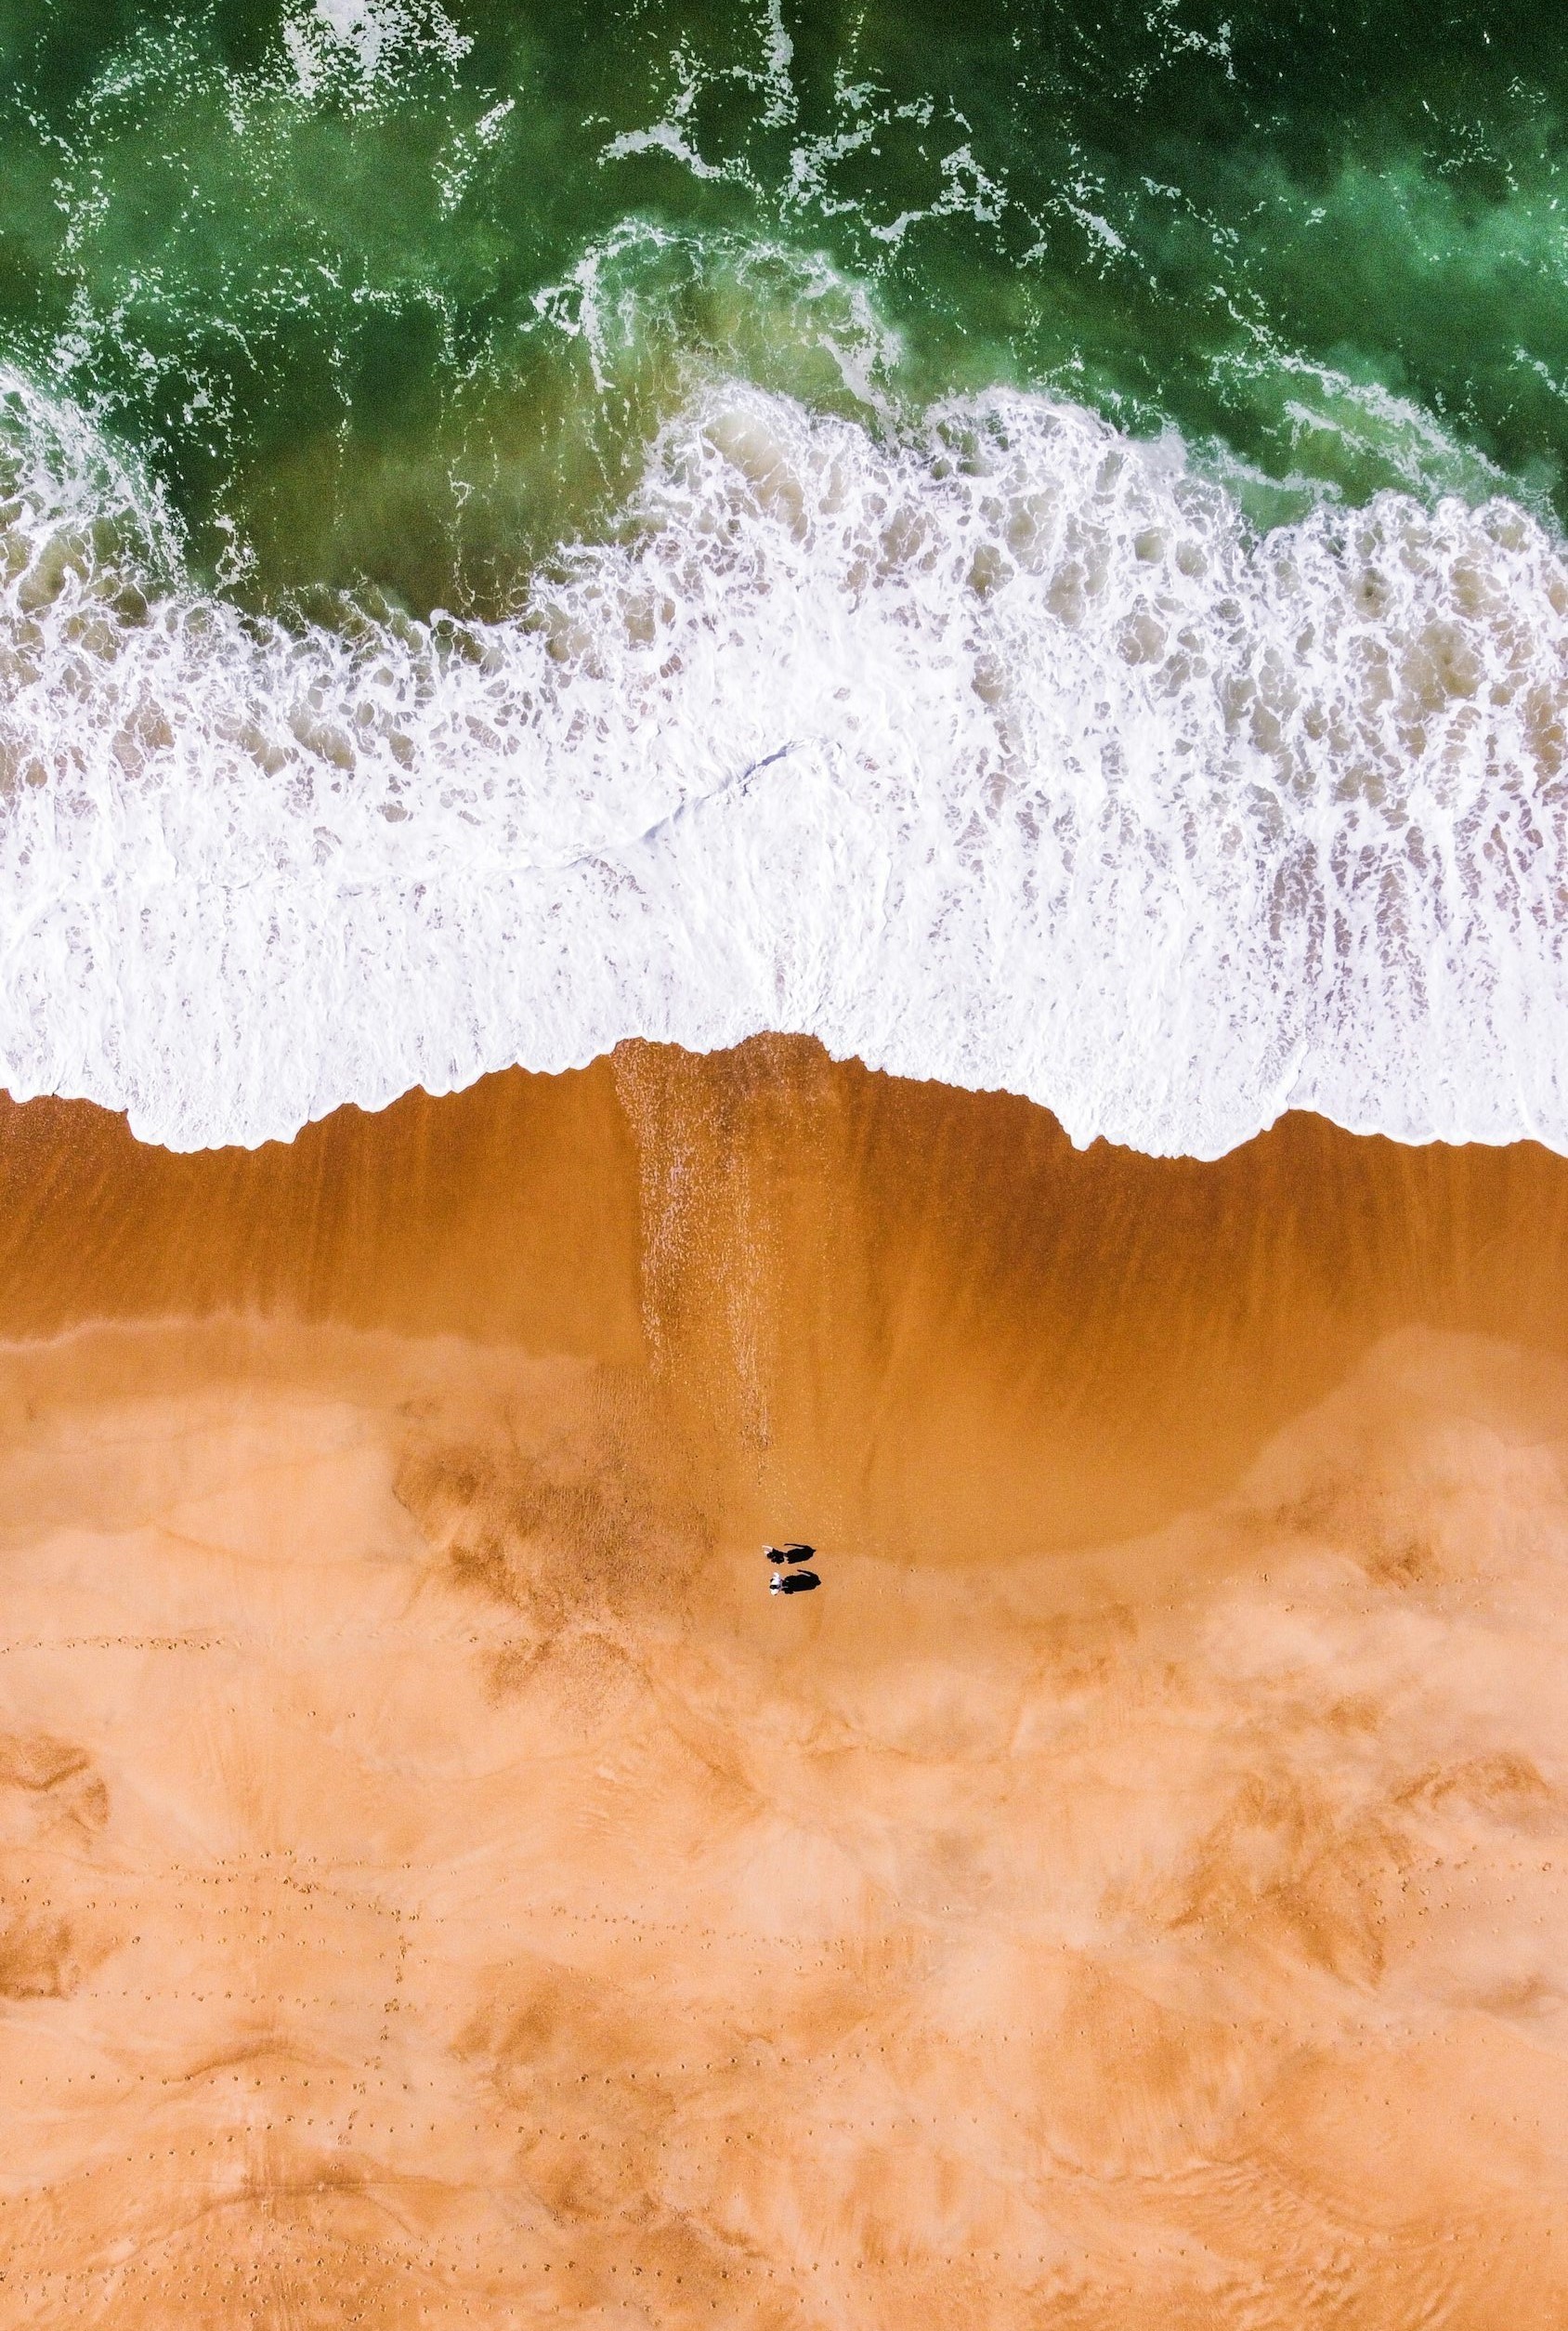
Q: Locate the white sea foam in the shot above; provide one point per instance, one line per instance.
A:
(1008, 757)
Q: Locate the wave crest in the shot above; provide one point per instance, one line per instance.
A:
(1006, 755)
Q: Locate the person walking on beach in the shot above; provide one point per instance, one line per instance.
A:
(797, 1582)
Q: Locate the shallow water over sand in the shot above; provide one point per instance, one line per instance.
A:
(438, 1884)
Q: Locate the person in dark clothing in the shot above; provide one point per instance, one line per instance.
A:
(791, 1552)
(798, 1582)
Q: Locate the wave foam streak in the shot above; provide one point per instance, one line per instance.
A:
(1008, 757)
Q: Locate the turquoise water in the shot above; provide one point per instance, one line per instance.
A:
(393, 298)
(1023, 542)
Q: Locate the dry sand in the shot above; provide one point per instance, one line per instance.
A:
(439, 1885)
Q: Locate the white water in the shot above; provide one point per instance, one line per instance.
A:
(1009, 758)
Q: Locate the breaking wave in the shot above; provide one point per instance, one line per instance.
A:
(1002, 753)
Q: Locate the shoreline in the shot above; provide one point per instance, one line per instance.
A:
(918, 1310)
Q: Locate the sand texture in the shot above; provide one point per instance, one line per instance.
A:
(439, 1885)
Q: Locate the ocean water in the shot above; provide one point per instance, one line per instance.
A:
(1029, 550)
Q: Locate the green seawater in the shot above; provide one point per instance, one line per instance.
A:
(388, 298)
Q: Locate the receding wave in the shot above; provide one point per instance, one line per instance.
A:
(1003, 754)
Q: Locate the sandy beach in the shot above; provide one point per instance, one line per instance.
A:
(440, 1884)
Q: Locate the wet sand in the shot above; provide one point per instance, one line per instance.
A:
(438, 1884)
